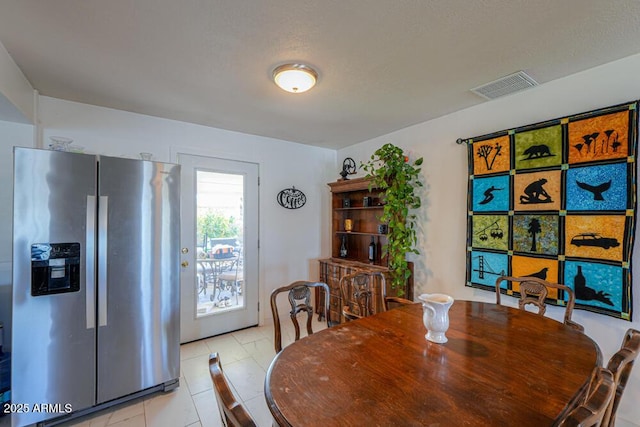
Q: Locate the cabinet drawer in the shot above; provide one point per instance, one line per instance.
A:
(334, 286)
(333, 272)
(336, 316)
(334, 303)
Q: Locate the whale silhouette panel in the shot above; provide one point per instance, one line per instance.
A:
(597, 188)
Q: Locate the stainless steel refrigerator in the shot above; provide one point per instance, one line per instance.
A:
(96, 303)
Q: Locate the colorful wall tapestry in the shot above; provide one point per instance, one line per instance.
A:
(556, 200)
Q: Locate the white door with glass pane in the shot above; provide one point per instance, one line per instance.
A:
(219, 276)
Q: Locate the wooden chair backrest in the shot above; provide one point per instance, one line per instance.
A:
(364, 293)
(534, 290)
(620, 366)
(232, 412)
(592, 411)
(299, 294)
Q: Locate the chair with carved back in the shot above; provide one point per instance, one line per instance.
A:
(232, 413)
(620, 366)
(592, 410)
(534, 290)
(231, 281)
(299, 295)
(364, 293)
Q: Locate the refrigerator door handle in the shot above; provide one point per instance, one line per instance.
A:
(90, 256)
(103, 209)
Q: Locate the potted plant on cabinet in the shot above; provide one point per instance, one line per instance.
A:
(390, 171)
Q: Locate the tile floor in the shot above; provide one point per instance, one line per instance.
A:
(245, 357)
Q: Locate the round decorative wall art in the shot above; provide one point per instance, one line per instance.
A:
(291, 198)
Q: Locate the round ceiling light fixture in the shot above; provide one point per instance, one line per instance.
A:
(295, 78)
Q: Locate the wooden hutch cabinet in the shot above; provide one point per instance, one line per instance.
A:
(348, 203)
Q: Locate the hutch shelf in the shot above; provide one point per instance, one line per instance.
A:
(352, 200)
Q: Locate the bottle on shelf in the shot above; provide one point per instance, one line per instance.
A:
(343, 247)
(372, 250)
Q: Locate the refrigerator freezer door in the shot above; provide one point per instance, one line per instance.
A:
(138, 339)
(53, 340)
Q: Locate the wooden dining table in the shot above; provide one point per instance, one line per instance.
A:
(501, 366)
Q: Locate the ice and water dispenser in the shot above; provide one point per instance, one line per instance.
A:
(55, 268)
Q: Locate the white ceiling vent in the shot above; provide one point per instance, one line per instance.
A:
(505, 86)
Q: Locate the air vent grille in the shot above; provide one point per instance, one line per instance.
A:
(505, 86)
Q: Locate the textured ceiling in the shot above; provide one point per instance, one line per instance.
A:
(383, 64)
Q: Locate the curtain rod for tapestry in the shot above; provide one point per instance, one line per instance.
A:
(580, 116)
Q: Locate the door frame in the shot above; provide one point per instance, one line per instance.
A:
(190, 257)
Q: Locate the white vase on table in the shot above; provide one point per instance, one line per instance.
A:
(435, 316)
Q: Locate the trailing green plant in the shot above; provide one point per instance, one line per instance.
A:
(390, 171)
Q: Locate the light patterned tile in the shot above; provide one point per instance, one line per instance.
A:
(137, 421)
(288, 331)
(193, 349)
(207, 408)
(198, 424)
(262, 351)
(259, 411)
(196, 374)
(251, 334)
(267, 329)
(247, 378)
(228, 347)
(126, 411)
(97, 419)
(172, 409)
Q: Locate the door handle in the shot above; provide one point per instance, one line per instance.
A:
(185, 263)
(90, 257)
(103, 210)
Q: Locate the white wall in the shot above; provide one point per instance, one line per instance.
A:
(441, 265)
(291, 240)
(16, 93)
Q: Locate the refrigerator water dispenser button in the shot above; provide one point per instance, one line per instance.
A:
(55, 268)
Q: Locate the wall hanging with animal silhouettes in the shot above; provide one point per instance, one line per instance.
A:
(557, 200)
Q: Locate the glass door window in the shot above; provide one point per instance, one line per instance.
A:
(219, 238)
(219, 232)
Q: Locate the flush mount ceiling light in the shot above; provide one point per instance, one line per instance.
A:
(295, 78)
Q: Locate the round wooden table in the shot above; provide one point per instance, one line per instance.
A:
(501, 366)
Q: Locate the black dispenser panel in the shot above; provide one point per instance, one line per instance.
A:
(55, 268)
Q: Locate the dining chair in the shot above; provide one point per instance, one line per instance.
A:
(232, 280)
(534, 290)
(592, 411)
(299, 296)
(620, 366)
(365, 293)
(232, 413)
